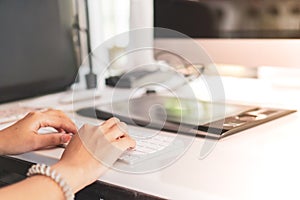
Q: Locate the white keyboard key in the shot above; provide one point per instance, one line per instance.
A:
(149, 148)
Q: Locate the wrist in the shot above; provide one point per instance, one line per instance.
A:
(71, 176)
(3, 143)
(76, 176)
(45, 171)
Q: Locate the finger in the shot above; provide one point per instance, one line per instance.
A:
(60, 130)
(58, 113)
(105, 126)
(123, 126)
(52, 139)
(125, 143)
(58, 121)
(115, 132)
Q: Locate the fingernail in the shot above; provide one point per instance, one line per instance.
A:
(65, 138)
(116, 120)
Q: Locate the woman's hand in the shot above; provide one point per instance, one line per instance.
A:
(23, 136)
(91, 151)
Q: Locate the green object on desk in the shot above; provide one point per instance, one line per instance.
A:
(182, 110)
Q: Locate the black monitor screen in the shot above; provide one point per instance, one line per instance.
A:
(229, 18)
(36, 54)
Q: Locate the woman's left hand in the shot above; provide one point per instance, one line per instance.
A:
(23, 136)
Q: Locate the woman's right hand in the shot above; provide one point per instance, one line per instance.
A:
(92, 151)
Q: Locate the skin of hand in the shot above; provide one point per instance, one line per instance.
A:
(78, 166)
(23, 136)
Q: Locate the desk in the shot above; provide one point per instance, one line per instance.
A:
(258, 163)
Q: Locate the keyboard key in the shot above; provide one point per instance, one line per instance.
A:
(149, 148)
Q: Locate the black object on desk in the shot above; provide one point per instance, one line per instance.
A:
(169, 117)
(127, 80)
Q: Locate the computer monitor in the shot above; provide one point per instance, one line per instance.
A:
(250, 33)
(36, 54)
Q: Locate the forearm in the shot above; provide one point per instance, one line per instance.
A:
(36, 187)
(8, 144)
(3, 143)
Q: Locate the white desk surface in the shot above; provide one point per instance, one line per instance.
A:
(258, 163)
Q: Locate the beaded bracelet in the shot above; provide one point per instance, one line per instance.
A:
(42, 169)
